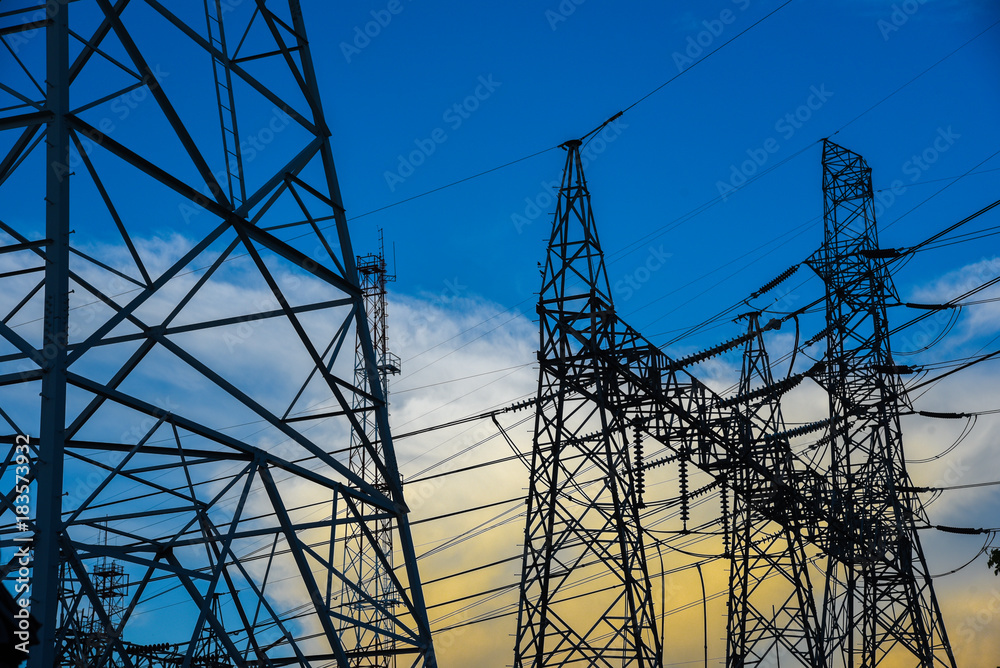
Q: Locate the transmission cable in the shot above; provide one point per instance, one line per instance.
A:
(938, 62)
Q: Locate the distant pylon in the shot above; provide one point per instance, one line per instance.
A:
(767, 615)
(368, 563)
(879, 599)
(582, 523)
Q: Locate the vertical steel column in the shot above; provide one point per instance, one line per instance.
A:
(52, 430)
(768, 539)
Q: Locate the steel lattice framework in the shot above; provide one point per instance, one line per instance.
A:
(878, 593)
(180, 306)
(763, 617)
(583, 497)
(368, 569)
(599, 379)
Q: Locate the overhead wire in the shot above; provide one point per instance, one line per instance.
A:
(711, 53)
(897, 219)
(922, 73)
(517, 161)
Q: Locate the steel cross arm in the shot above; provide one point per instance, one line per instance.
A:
(132, 555)
(16, 154)
(24, 27)
(209, 324)
(28, 102)
(260, 236)
(196, 428)
(639, 364)
(196, 456)
(20, 376)
(248, 533)
(30, 120)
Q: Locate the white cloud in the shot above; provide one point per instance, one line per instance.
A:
(976, 320)
(462, 355)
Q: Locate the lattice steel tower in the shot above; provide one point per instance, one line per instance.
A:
(771, 604)
(603, 387)
(368, 563)
(179, 306)
(879, 598)
(583, 500)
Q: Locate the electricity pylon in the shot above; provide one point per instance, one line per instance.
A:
(599, 379)
(368, 562)
(878, 598)
(180, 305)
(771, 603)
(583, 500)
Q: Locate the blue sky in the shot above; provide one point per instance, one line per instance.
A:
(560, 79)
(463, 88)
(867, 71)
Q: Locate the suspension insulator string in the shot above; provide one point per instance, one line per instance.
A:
(684, 488)
(640, 471)
(724, 500)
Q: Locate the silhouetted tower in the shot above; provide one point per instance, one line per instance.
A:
(771, 604)
(368, 563)
(879, 599)
(179, 306)
(90, 641)
(582, 515)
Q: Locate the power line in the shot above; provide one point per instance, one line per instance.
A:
(711, 53)
(951, 487)
(950, 228)
(938, 62)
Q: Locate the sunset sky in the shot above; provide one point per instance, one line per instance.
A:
(894, 84)
(446, 121)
